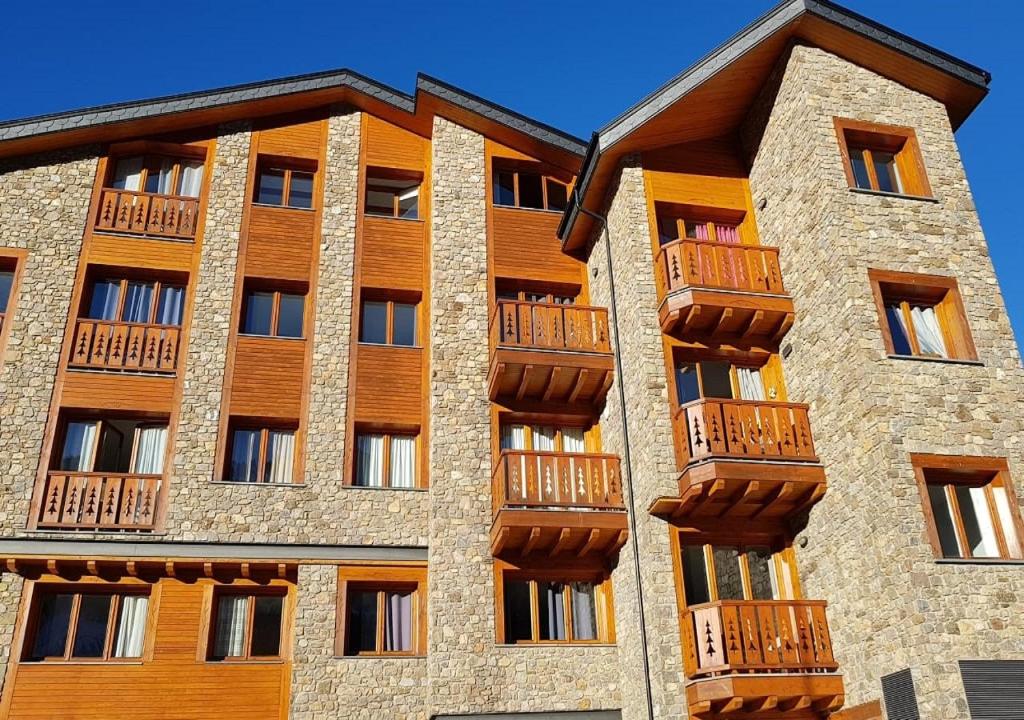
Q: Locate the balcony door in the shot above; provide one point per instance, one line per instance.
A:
(113, 446)
(158, 174)
(137, 301)
(713, 572)
(543, 438)
(716, 379)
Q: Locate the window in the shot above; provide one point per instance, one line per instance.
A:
(387, 322)
(284, 186)
(553, 607)
(113, 446)
(543, 438)
(392, 194)
(719, 379)
(137, 301)
(247, 626)
(514, 187)
(273, 313)
(158, 174)
(883, 158)
(671, 229)
(261, 455)
(970, 506)
(9, 263)
(382, 610)
(552, 298)
(79, 623)
(386, 460)
(921, 315)
(713, 572)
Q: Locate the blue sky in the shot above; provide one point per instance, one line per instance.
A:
(572, 64)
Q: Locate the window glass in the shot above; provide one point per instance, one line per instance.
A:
(981, 535)
(259, 308)
(266, 626)
(1006, 520)
(128, 173)
(373, 328)
(408, 203)
(584, 612)
(115, 447)
(761, 565)
(928, 331)
(687, 387)
(728, 577)
(191, 181)
(530, 193)
(54, 619)
(403, 331)
(6, 283)
(245, 456)
(91, 627)
(361, 622)
(79, 446)
(668, 230)
(105, 296)
(695, 575)
(897, 330)
(138, 302)
(504, 188)
(131, 626)
(172, 305)
(717, 379)
(551, 606)
(860, 168)
(517, 611)
(886, 171)
(289, 315)
(280, 458)
(402, 463)
(231, 626)
(944, 523)
(398, 621)
(270, 188)
(557, 194)
(369, 460)
(300, 192)
(380, 202)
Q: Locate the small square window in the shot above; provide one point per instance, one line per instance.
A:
(386, 460)
(391, 193)
(284, 186)
(247, 626)
(381, 610)
(388, 322)
(273, 313)
(882, 158)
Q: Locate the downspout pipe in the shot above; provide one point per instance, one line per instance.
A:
(626, 448)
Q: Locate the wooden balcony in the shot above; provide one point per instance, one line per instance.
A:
(172, 217)
(549, 352)
(721, 292)
(763, 658)
(742, 459)
(107, 345)
(551, 502)
(99, 501)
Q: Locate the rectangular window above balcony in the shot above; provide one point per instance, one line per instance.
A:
(158, 174)
(86, 623)
(720, 379)
(137, 301)
(713, 572)
(112, 446)
(551, 606)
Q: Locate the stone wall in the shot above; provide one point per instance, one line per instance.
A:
(11, 586)
(891, 605)
(44, 205)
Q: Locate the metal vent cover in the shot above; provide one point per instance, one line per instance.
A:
(994, 688)
(900, 697)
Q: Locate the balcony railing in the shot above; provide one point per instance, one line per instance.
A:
(538, 479)
(142, 213)
(99, 501)
(107, 345)
(549, 326)
(743, 429)
(760, 636)
(701, 263)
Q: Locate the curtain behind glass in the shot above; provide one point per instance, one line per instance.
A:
(131, 626)
(370, 461)
(149, 450)
(398, 621)
(172, 305)
(164, 178)
(105, 294)
(929, 332)
(543, 438)
(191, 178)
(898, 329)
(1006, 520)
(138, 302)
(280, 456)
(128, 173)
(981, 535)
(751, 385)
(245, 455)
(551, 605)
(229, 636)
(727, 234)
(79, 446)
(402, 463)
(513, 437)
(584, 616)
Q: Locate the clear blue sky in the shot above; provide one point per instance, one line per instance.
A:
(572, 64)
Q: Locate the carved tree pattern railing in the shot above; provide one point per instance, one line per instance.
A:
(550, 326)
(142, 213)
(744, 429)
(125, 346)
(740, 636)
(99, 501)
(701, 263)
(528, 478)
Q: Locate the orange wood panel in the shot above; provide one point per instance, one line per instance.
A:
(389, 385)
(280, 243)
(526, 247)
(301, 140)
(700, 190)
(145, 253)
(717, 157)
(393, 254)
(391, 146)
(118, 391)
(268, 377)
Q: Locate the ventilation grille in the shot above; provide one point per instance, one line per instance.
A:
(995, 688)
(899, 695)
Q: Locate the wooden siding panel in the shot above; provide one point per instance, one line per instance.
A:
(118, 391)
(526, 247)
(390, 146)
(389, 384)
(393, 254)
(298, 140)
(268, 377)
(280, 243)
(703, 190)
(140, 253)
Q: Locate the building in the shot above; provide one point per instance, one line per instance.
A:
(321, 400)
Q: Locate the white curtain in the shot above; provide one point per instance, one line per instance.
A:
(584, 617)
(105, 295)
(79, 446)
(245, 452)
(897, 312)
(232, 614)
(131, 627)
(751, 385)
(172, 305)
(572, 440)
(1006, 520)
(398, 622)
(138, 300)
(513, 437)
(165, 178)
(554, 597)
(402, 463)
(191, 178)
(981, 534)
(128, 173)
(543, 437)
(149, 450)
(280, 456)
(929, 332)
(370, 462)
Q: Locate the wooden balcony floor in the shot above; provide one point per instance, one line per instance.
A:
(550, 375)
(726, 316)
(520, 532)
(763, 696)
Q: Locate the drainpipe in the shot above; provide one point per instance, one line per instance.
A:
(625, 441)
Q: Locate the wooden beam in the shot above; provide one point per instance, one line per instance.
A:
(618, 542)
(606, 384)
(501, 541)
(590, 544)
(524, 381)
(813, 496)
(724, 318)
(691, 317)
(784, 326)
(781, 493)
(556, 373)
(562, 543)
(131, 568)
(577, 386)
(531, 542)
(756, 319)
(800, 702)
(746, 490)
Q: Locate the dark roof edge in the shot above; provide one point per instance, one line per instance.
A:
(579, 189)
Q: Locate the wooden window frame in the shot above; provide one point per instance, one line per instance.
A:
(901, 142)
(389, 321)
(264, 431)
(102, 426)
(287, 166)
(382, 578)
(377, 173)
(252, 593)
(590, 440)
(11, 260)
(771, 376)
(150, 151)
(123, 282)
(783, 559)
(388, 435)
(938, 291)
(549, 298)
(604, 603)
(77, 590)
(275, 311)
(949, 471)
(517, 169)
